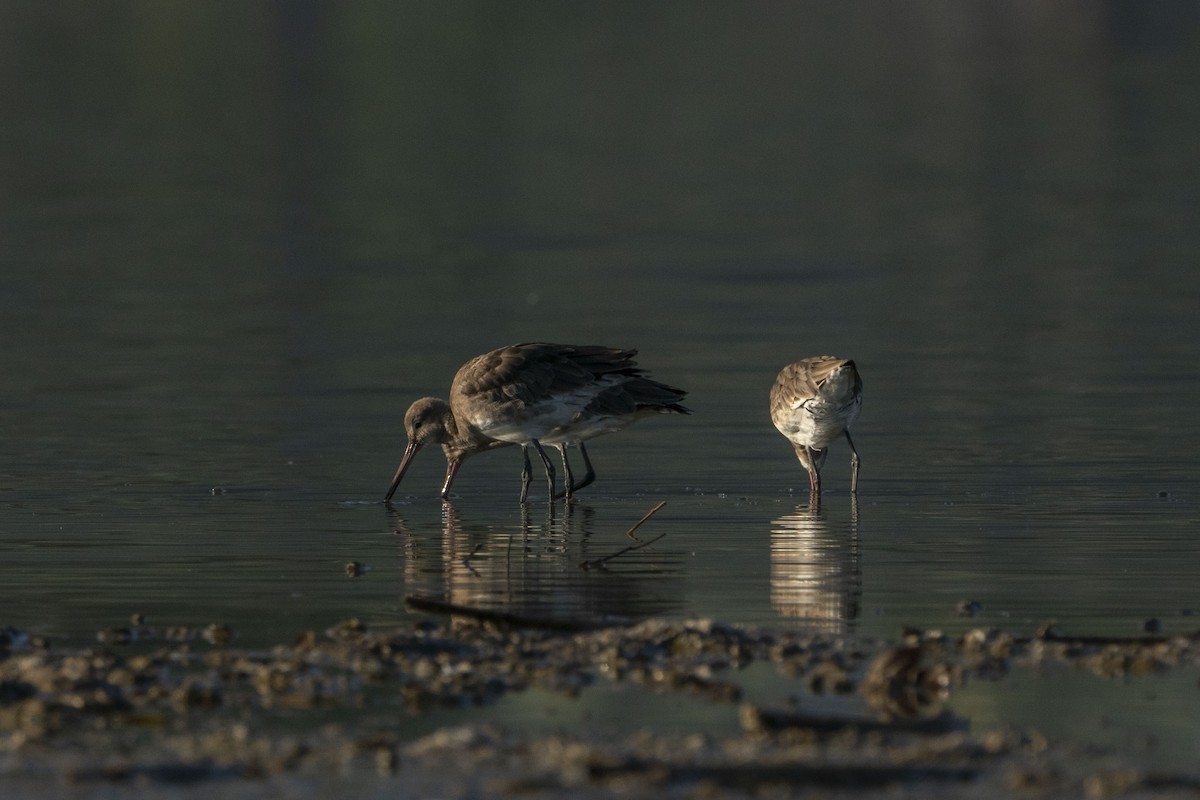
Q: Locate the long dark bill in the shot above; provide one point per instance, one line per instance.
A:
(409, 453)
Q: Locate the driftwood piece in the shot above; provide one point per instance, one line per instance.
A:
(857, 776)
(512, 618)
(765, 720)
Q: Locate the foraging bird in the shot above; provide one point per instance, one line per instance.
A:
(813, 402)
(535, 394)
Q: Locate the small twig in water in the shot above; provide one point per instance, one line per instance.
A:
(647, 516)
(599, 562)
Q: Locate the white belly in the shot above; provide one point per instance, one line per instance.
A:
(816, 424)
(561, 419)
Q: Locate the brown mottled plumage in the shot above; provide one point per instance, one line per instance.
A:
(813, 402)
(534, 394)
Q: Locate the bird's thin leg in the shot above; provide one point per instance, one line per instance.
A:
(853, 465)
(590, 475)
(568, 478)
(571, 487)
(549, 468)
(451, 471)
(526, 474)
(814, 471)
(807, 457)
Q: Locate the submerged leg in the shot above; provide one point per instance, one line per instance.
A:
(451, 471)
(809, 459)
(549, 469)
(568, 478)
(853, 465)
(590, 475)
(526, 474)
(569, 484)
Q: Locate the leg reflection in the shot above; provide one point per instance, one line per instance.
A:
(816, 578)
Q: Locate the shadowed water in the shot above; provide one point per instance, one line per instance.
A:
(238, 240)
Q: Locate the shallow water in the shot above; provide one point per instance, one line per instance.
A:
(237, 242)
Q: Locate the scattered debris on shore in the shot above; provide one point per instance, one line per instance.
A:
(185, 706)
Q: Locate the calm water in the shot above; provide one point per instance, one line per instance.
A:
(237, 240)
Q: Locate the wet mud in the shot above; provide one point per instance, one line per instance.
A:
(183, 712)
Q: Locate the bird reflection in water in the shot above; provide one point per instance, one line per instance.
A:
(816, 578)
(532, 568)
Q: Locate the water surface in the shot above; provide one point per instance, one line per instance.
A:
(239, 240)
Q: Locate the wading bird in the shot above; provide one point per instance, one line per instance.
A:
(535, 394)
(813, 402)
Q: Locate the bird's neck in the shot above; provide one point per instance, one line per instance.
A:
(463, 440)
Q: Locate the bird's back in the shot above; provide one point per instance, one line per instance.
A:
(538, 390)
(815, 399)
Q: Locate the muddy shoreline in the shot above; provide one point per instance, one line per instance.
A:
(178, 712)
